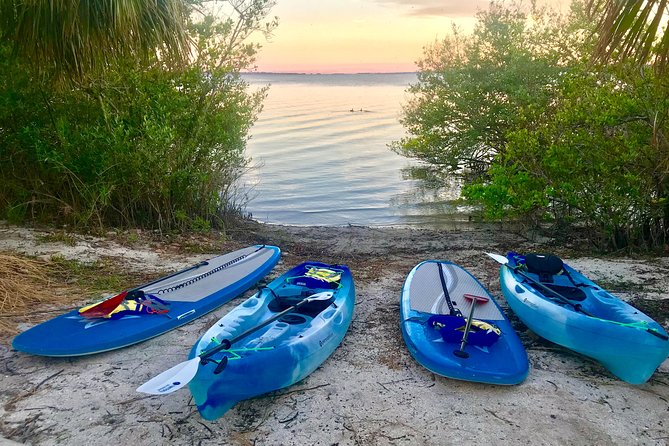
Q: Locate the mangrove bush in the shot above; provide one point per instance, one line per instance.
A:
(540, 133)
(137, 144)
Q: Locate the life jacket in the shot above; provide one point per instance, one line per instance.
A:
(318, 277)
(138, 304)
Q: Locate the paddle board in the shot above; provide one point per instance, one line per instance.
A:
(184, 296)
(433, 328)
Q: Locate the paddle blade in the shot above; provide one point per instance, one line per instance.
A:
(323, 295)
(498, 258)
(171, 380)
(103, 308)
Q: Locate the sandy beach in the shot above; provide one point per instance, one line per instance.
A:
(370, 391)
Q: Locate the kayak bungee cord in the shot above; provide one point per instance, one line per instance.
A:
(219, 268)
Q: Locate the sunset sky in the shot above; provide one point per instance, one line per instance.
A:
(349, 36)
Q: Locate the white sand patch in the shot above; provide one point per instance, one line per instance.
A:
(369, 392)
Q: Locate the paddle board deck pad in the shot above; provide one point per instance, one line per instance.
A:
(584, 317)
(433, 332)
(282, 352)
(184, 296)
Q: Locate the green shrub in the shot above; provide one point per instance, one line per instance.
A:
(138, 146)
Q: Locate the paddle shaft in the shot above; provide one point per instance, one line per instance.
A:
(550, 290)
(226, 344)
(652, 331)
(462, 353)
(504, 261)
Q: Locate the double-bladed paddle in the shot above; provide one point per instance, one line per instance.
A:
(504, 261)
(181, 374)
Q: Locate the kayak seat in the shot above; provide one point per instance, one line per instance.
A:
(570, 292)
(311, 309)
(544, 265)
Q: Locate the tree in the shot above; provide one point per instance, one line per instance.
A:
(472, 91)
(73, 38)
(135, 145)
(600, 163)
(632, 29)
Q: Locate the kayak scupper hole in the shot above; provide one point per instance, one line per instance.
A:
(250, 303)
(293, 319)
(519, 289)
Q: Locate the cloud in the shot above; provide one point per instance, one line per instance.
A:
(441, 8)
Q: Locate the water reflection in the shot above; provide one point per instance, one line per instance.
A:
(323, 161)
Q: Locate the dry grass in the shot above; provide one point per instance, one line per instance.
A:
(30, 289)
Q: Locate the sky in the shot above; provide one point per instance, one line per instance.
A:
(353, 36)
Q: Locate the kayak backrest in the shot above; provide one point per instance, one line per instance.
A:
(544, 265)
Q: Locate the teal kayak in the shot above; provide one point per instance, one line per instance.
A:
(562, 305)
(280, 353)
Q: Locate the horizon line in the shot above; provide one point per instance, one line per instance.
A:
(327, 74)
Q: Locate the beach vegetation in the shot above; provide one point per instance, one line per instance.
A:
(541, 134)
(139, 143)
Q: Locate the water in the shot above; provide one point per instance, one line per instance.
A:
(321, 148)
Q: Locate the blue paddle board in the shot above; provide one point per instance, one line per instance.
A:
(437, 299)
(183, 297)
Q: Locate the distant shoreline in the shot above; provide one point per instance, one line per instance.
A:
(287, 73)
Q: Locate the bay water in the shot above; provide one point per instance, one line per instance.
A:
(321, 157)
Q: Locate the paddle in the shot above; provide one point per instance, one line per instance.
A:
(504, 261)
(181, 374)
(107, 306)
(475, 300)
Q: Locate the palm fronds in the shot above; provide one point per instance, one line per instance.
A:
(77, 36)
(633, 29)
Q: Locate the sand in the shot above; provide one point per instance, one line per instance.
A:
(370, 391)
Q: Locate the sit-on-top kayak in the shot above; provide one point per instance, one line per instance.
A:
(561, 305)
(279, 353)
(437, 303)
(152, 309)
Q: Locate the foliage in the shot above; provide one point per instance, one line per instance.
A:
(89, 35)
(552, 137)
(472, 91)
(600, 163)
(633, 30)
(137, 146)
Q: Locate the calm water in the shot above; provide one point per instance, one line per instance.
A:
(321, 149)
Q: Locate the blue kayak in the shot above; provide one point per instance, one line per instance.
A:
(436, 304)
(152, 309)
(562, 305)
(282, 352)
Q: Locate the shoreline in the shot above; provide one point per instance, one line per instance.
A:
(370, 391)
